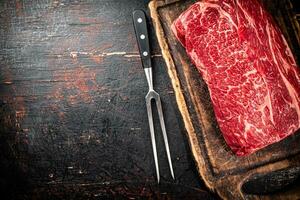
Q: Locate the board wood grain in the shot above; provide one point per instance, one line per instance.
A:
(218, 166)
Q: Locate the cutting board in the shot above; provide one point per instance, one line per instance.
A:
(275, 168)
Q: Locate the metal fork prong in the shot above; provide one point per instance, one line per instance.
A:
(163, 128)
(150, 119)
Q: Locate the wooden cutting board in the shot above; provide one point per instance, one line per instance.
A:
(275, 168)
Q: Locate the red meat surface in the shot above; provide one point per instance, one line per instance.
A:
(248, 67)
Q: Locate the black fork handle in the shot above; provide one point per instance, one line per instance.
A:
(141, 32)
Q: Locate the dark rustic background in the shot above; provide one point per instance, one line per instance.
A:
(73, 121)
(73, 115)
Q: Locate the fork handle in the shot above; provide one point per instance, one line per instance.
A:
(141, 32)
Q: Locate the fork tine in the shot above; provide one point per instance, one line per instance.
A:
(163, 127)
(150, 119)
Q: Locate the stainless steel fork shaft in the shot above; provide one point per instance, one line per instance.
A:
(155, 96)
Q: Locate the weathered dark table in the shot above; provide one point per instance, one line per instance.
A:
(73, 116)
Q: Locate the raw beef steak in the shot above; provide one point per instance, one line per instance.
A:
(248, 67)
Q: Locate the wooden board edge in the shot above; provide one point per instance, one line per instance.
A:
(181, 103)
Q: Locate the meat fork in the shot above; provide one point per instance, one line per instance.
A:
(140, 26)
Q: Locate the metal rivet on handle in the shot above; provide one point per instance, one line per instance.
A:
(145, 53)
(139, 20)
(142, 36)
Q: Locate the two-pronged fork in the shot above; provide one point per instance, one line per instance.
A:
(140, 25)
